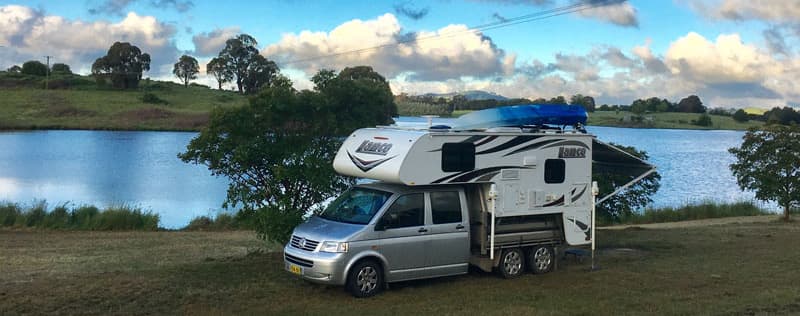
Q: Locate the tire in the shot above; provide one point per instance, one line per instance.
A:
(512, 263)
(365, 279)
(541, 259)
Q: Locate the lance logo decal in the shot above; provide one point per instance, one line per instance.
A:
(367, 165)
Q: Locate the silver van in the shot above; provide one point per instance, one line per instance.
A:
(378, 233)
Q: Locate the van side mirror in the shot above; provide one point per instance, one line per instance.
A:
(380, 225)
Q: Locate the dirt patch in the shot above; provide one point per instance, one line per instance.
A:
(697, 223)
(67, 110)
(147, 114)
(191, 121)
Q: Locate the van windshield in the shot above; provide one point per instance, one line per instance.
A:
(356, 206)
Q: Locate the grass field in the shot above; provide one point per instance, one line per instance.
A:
(728, 269)
(185, 108)
(666, 120)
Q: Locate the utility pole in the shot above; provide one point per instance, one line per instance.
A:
(47, 76)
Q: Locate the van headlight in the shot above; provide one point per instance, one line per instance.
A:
(334, 246)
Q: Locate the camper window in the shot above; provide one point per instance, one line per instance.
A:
(458, 157)
(445, 207)
(554, 170)
(407, 211)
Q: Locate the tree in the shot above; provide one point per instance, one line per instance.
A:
(558, 100)
(277, 150)
(14, 69)
(768, 162)
(691, 104)
(636, 196)
(217, 67)
(61, 68)
(238, 54)
(785, 116)
(123, 64)
(34, 68)
(186, 69)
(740, 116)
(260, 72)
(586, 101)
(322, 78)
(363, 92)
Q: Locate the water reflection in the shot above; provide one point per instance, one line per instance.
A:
(141, 168)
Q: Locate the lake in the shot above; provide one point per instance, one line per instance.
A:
(141, 168)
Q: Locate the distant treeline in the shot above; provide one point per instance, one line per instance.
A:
(430, 105)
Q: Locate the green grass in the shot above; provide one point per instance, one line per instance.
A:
(78, 218)
(154, 106)
(737, 269)
(666, 120)
(691, 212)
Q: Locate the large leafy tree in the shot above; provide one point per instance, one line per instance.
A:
(768, 162)
(238, 54)
(61, 68)
(628, 200)
(260, 72)
(374, 101)
(123, 65)
(691, 104)
(217, 67)
(186, 69)
(35, 68)
(278, 150)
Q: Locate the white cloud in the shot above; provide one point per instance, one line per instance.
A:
(449, 52)
(726, 60)
(30, 34)
(622, 14)
(769, 10)
(211, 43)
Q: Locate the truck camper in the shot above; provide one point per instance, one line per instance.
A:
(502, 189)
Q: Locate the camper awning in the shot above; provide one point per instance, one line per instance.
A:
(608, 159)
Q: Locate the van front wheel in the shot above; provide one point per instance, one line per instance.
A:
(511, 263)
(365, 279)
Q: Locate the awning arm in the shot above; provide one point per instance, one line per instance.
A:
(632, 182)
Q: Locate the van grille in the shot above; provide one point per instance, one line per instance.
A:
(299, 261)
(302, 243)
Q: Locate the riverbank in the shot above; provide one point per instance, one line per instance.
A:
(725, 269)
(156, 106)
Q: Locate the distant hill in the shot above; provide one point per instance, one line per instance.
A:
(470, 95)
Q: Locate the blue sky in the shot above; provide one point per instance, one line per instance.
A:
(733, 53)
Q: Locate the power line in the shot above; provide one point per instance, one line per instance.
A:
(541, 15)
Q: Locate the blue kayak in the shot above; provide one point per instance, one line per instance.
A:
(523, 115)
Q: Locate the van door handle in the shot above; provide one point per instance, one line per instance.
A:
(423, 230)
(460, 226)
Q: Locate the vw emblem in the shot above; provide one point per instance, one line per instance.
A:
(301, 242)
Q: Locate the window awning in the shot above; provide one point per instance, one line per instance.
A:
(607, 158)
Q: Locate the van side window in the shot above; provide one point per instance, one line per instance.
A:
(554, 170)
(458, 157)
(407, 211)
(445, 207)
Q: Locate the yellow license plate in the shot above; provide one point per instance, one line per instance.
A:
(295, 269)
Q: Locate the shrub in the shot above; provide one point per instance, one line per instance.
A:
(9, 213)
(704, 120)
(151, 98)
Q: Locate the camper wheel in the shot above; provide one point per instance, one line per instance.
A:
(365, 279)
(541, 259)
(512, 262)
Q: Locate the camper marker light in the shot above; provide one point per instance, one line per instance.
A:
(334, 246)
